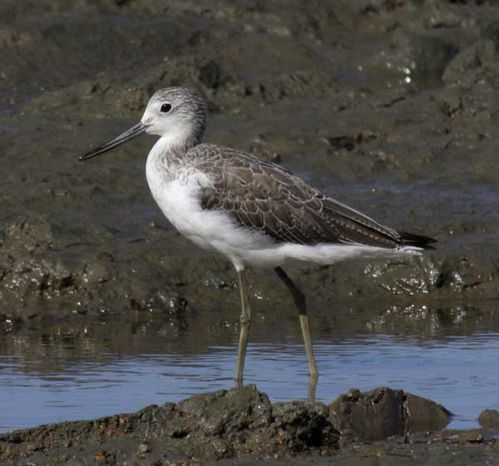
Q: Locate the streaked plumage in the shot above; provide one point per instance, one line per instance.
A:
(268, 198)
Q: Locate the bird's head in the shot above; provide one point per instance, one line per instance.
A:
(177, 114)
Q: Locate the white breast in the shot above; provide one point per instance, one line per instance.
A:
(179, 198)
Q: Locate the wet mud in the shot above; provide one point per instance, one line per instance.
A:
(390, 106)
(241, 422)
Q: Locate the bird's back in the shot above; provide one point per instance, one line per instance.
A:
(264, 196)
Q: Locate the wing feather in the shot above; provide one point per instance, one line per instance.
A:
(268, 198)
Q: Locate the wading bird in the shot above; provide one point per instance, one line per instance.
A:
(254, 212)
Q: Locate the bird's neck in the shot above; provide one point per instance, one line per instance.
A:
(163, 161)
(170, 148)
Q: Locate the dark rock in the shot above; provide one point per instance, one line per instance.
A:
(225, 412)
(223, 424)
(489, 418)
(373, 415)
(234, 423)
(424, 415)
(301, 426)
(383, 412)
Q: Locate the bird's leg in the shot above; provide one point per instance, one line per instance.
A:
(299, 299)
(245, 325)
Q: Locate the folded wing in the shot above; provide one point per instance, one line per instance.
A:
(268, 198)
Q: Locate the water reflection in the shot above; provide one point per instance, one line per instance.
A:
(458, 372)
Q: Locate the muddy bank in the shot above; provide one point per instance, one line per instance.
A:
(389, 107)
(242, 423)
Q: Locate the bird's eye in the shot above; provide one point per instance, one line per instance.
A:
(165, 108)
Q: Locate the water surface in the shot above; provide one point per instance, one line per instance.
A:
(457, 371)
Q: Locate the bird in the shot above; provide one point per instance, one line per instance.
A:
(254, 212)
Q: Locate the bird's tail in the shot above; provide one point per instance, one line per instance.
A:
(416, 241)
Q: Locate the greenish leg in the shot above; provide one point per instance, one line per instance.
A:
(300, 303)
(312, 388)
(245, 325)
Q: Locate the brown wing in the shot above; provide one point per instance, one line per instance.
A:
(266, 197)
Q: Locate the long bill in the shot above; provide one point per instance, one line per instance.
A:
(128, 135)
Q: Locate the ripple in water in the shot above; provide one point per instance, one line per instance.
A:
(456, 372)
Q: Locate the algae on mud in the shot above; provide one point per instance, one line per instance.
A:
(390, 106)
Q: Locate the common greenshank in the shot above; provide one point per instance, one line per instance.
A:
(254, 212)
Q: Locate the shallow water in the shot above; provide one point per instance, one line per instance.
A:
(458, 372)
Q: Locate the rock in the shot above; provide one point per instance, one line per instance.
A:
(373, 415)
(231, 422)
(383, 412)
(222, 424)
(301, 426)
(489, 418)
(424, 415)
(228, 411)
